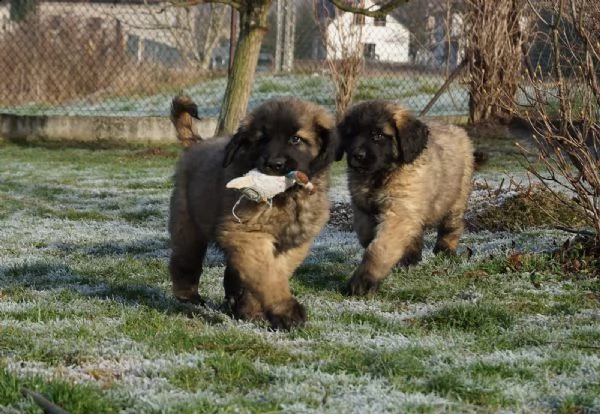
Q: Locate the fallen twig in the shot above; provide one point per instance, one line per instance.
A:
(575, 231)
(48, 406)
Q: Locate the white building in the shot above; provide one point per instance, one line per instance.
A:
(384, 39)
(150, 29)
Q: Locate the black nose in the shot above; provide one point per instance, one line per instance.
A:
(359, 155)
(276, 164)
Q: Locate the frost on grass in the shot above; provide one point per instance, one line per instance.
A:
(31, 232)
(61, 313)
(142, 379)
(301, 389)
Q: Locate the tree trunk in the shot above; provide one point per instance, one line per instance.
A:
(253, 25)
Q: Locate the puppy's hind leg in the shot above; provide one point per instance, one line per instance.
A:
(449, 232)
(187, 255)
(452, 226)
(185, 266)
(413, 253)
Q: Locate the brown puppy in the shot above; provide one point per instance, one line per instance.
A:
(404, 175)
(269, 241)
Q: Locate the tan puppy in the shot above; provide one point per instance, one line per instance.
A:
(270, 240)
(404, 175)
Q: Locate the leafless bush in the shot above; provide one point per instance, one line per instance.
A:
(496, 36)
(55, 62)
(195, 30)
(343, 43)
(345, 73)
(562, 106)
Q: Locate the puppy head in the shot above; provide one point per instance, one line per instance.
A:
(378, 135)
(282, 135)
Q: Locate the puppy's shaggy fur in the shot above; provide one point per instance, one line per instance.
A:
(404, 175)
(269, 242)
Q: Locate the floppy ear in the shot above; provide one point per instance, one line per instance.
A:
(330, 145)
(411, 136)
(239, 139)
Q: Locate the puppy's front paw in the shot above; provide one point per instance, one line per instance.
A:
(194, 299)
(361, 285)
(244, 306)
(187, 293)
(286, 315)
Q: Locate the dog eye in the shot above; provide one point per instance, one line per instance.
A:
(295, 140)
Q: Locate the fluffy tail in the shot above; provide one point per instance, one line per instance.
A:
(183, 112)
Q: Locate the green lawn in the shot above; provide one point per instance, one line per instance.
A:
(413, 90)
(87, 319)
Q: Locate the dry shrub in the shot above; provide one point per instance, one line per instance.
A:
(345, 61)
(56, 62)
(496, 37)
(345, 74)
(563, 108)
(53, 62)
(521, 207)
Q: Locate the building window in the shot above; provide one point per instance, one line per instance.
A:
(369, 51)
(359, 19)
(380, 21)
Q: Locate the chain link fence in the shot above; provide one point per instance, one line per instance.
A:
(129, 58)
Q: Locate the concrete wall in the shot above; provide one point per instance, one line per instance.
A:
(94, 129)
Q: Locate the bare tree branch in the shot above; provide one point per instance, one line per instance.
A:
(185, 3)
(562, 108)
(496, 37)
(344, 44)
(380, 11)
